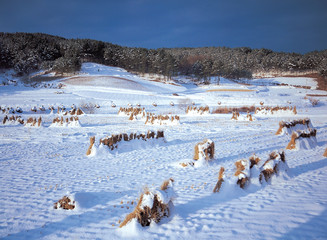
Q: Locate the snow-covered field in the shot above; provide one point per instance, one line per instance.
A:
(40, 165)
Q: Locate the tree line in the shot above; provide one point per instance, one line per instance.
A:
(28, 52)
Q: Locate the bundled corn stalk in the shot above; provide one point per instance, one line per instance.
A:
(32, 122)
(65, 122)
(303, 139)
(191, 110)
(153, 206)
(220, 180)
(13, 120)
(133, 113)
(271, 166)
(204, 150)
(65, 203)
(275, 110)
(288, 127)
(242, 172)
(237, 116)
(152, 119)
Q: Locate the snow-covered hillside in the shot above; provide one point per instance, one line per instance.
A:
(40, 165)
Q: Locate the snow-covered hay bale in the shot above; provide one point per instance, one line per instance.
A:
(272, 165)
(287, 127)
(152, 119)
(204, 150)
(254, 160)
(264, 111)
(220, 180)
(153, 206)
(238, 117)
(33, 122)
(65, 122)
(242, 172)
(303, 140)
(191, 110)
(34, 109)
(65, 203)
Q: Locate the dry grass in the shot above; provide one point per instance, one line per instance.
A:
(229, 90)
(325, 153)
(273, 110)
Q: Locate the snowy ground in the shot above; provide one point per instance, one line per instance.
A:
(41, 165)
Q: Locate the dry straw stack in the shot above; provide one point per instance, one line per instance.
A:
(271, 166)
(204, 150)
(13, 119)
(197, 110)
(32, 122)
(65, 203)
(220, 180)
(275, 110)
(300, 135)
(289, 126)
(152, 206)
(152, 119)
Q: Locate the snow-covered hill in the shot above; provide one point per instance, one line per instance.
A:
(40, 165)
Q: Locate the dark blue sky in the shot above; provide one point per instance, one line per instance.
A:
(280, 25)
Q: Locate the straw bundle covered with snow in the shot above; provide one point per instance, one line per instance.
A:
(65, 122)
(152, 119)
(32, 122)
(242, 172)
(153, 205)
(133, 112)
(12, 120)
(289, 110)
(190, 110)
(287, 127)
(113, 141)
(220, 180)
(272, 165)
(237, 116)
(65, 203)
(303, 139)
(204, 150)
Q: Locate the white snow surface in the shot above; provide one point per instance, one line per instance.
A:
(39, 166)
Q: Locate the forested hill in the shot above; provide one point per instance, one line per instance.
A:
(28, 52)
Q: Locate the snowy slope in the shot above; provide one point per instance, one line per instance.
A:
(41, 165)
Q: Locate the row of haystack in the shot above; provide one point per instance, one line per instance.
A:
(192, 110)
(31, 122)
(275, 110)
(237, 116)
(65, 122)
(12, 120)
(73, 111)
(10, 110)
(152, 119)
(136, 111)
(113, 140)
(245, 169)
(287, 127)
